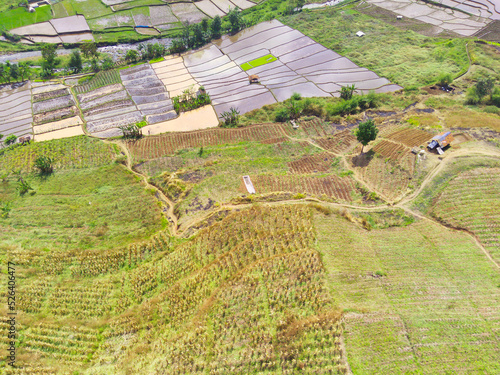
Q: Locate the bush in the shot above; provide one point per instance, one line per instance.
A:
(282, 115)
(444, 79)
(472, 97)
(231, 118)
(346, 92)
(296, 96)
(44, 165)
(188, 101)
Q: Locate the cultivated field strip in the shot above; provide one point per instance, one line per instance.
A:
(258, 266)
(75, 152)
(409, 137)
(302, 66)
(437, 300)
(55, 114)
(442, 18)
(470, 201)
(321, 162)
(148, 93)
(15, 111)
(167, 144)
(332, 186)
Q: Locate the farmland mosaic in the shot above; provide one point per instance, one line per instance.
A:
(466, 19)
(302, 65)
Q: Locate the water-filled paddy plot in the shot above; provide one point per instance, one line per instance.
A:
(299, 65)
(467, 18)
(15, 110)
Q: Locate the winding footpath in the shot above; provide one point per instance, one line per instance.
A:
(403, 204)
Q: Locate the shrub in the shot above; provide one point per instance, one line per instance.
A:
(231, 118)
(131, 131)
(11, 139)
(444, 79)
(44, 165)
(346, 92)
(281, 115)
(23, 187)
(472, 97)
(296, 96)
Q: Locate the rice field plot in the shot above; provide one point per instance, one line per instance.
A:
(15, 111)
(148, 93)
(470, 201)
(100, 79)
(55, 114)
(419, 302)
(409, 137)
(77, 152)
(299, 64)
(337, 143)
(68, 346)
(321, 162)
(340, 188)
(386, 178)
(397, 153)
(168, 144)
(455, 20)
(84, 301)
(308, 129)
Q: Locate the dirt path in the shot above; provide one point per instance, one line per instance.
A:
(402, 204)
(169, 212)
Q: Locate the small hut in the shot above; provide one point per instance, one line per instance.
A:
(254, 78)
(440, 141)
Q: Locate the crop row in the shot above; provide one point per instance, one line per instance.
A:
(163, 145)
(330, 186)
(409, 137)
(310, 129)
(263, 299)
(311, 164)
(470, 201)
(337, 143)
(385, 177)
(104, 78)
(391, 150)
(75, 152)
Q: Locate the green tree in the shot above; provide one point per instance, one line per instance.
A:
(346, 92)
(132, 56)
(4, 73)
(198, 36)
(231, 118)
(205, 24)
(89, 49)
(483, 87)
(177, 46)
(445, 79)
(11, 139)
(24, 70)
(94, 64)
(75, 61)
(49, 56)
(216, 27)
(186, 34)
(14, 72)
(366, 132)
(235, 20)
(107, 63)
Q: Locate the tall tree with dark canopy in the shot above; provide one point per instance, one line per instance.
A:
(366, 132)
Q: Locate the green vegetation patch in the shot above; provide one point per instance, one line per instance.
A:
(402, 56)
(63, 9)
(103, 78)
(258, 62)
(75, 152)
(21, 17)
(403, 288)
(101, 207)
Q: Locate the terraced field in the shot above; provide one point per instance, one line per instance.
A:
(466, 19)
(55, 114)
(148, 93)
(73, 29)
(470, 201)
(15, 110)
(303, 66)
(421, 298)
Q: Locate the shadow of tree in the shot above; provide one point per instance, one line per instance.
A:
(363, 160)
